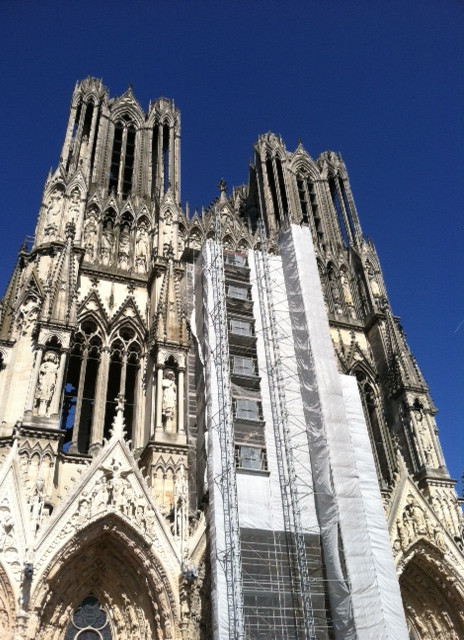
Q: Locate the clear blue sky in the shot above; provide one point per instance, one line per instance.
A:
(382, 82)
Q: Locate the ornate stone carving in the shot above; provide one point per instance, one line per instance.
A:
(46, 383)
(124, 247)
(107, 243)
(90, 237)
(169, 401)
(142, 251)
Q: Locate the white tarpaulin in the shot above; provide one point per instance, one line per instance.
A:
(342, 498)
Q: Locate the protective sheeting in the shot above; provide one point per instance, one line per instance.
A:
(306, 338)
(296, 420)
(221, 615)
(391, 606)
(358, 611)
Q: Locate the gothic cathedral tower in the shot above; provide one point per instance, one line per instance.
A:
(212, 425)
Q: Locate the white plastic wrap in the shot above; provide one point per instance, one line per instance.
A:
(381, 599)
(205, 332)
(341, 502)
(294, 405)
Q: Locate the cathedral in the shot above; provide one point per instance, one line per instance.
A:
(211, 424)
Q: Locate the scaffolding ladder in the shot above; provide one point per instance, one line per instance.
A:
(230, 558)
(284, 447)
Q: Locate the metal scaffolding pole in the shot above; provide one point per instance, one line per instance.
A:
(284, 446)
(230, 558)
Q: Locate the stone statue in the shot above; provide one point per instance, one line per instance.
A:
(75, 204)
(107, 242)
(124, 247)
(54, 208)
(346, 287)
(402, 533)
(90, 237)
(168, 407)
(46, 384)
(416, 516)
(142, 249)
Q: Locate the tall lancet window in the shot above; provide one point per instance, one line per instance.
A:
(273, 189)
(166, 158)
(116, 157)
(309, 206)
(375, 425)
(154, 159)
(80, 388)
(122, 157)
(125, 353)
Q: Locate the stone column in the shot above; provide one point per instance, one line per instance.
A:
(96, 436)
(159, 398)
(74, 448)
(180, 401)
(153, 402)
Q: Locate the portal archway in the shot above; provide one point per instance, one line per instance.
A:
(107, 563)
(432, 603)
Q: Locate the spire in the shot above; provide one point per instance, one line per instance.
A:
(170, 325)
(60, 299)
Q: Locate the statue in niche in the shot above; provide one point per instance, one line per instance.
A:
(335, 291)
(168, 407)
(346, 287)
(372, 281)
(124, 247)
(142, 249)
(107, 242)
(48, 373)
(75, 204)
(167, 232)
(54, 208)
(90, 238)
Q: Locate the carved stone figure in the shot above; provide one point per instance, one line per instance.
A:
(46, 383)
(90, 238)
(54, 208)
(75, 204)
(346, 287)
(107, 242)
(416, 516)
(169, 401)
(402, 533)
(124, 247)
(142, 249)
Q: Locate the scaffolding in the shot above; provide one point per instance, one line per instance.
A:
(230, 557)
(300, 578)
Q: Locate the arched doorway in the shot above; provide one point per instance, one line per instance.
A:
(432, 602)
(105, 585)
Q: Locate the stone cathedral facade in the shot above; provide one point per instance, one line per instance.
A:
(152, 378)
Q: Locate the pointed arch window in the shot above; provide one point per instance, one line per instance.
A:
(376, 428)
(89, 622)
(166, 134)
(125, 354)
(122, 157)
(80, 387)
(308, 203)
(272, 186)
